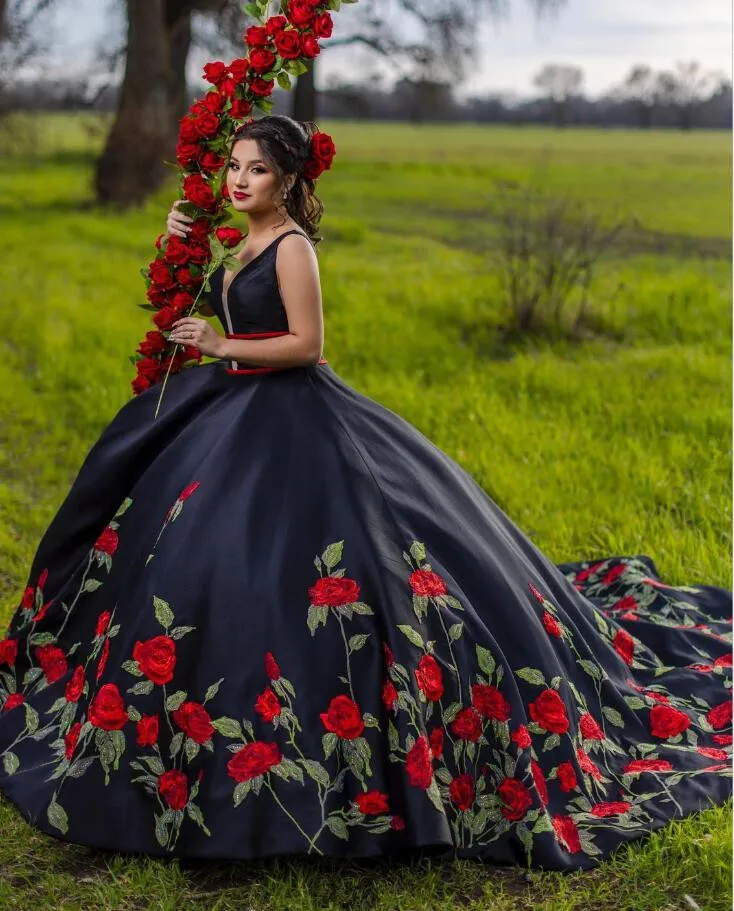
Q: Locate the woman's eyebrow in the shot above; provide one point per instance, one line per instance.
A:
(254, 160)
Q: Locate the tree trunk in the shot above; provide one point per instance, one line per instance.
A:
(304, 95)
(152, 99)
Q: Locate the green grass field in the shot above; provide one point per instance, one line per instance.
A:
(617, 445)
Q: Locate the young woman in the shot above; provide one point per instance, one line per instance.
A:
(276, 619)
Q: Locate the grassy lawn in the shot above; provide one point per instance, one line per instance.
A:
(621, 444)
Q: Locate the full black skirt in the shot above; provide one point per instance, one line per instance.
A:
(278, 620)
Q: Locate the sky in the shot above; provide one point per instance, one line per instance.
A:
(603, 37)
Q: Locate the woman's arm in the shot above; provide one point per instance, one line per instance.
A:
(297, 271)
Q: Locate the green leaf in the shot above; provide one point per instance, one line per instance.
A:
(316, 617)
(485, 660)
(57, 816)
(360, 608)
(612, 716)
(240, 792)
(213, 690)
(316, 771)
(329, 741)
(228, 727)
(333, 554)
(178, 632)
(141, 689)
(418, 551)
(337, 825)
(163, 612)
(356, 642)
(176, 700)
(590, 667)
(455, 631)
(191, 748)
(413, 636)
(532, 675)
(284, 80)
(11, 763)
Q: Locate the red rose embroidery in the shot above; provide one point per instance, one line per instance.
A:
(521, 737)
(103, 621)
(267, 705)
(147, 731)
(427, 584)
(194, 486)
(107, 542)
(429, 678)
(107, 710)
(567, 833)
(713, 753)
(71, 739)
(624, 645)
(194, 721)
(271, 667)
(567, 777)
(418, 764)
(343, 718)
(516, 798)
(490, 702)
(589, 728)
(8, 651)
(52, 661)
(156, 658)
(540, 784)
(646, 765)
(29, 598)
(435, 742)
(720, 715)
(103, 658)
(549, 712)
(397, 823)
(723, 660)
(613, 574)
(389, 695)
(174, 789)
(665, 721)
(389, 657)
(75, 686)
(462, 791)
(723, 739)
(333, 592)
(13, 700)
(467, 725)
(372, 802)
(253, 760)
(586, 764)
(552, 626)
(610, 808)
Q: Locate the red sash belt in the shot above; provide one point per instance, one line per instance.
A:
(256, 335)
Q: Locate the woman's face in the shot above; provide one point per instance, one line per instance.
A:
(252, 184)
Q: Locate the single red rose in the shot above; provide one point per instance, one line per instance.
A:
(213, 101)
(549, 712)
(418, 764)
(624, 645)
(589, 727)
(723, 739)
(257, 36)
(215, 72)
(397, 823)
(627, 603)
(637, 766)
(42, 579)
(174, 788)
(521, 737)
(262, 87)
(156, 658)
(160, 274)
(324, 150)
(658, 697)
(567, 833)
(40, 614)
(239, 110)
(267, 705)
(52, 661)
(177, 252)
(71, 739)
(182, 300)
(75, 686)
(540, 783)
(198, 191)
(8, 651)
(253, 760)
(370, 803)
(333, 592)
(148, 368)
(228, 237)
(389, 695)
(427, 584)
(313, 169)
(239, 69)
(107, 710)
(147, 731)
(490, 702)
(567, 777)
(429, 678)
(154, 343)
(275, 24)
(300, 13)
(614, 573)
(586, 764)
(262, 60)
(436, 742)
(720, 715)
(723, 660)
(462, 791)
(187, 134)
(29, 598)
(13, 700)
(552, 626)
(310, 46)
(516, 798)
(467, 725)
(211, 162)
(107, 542)
(271, 667)
(189, 490)
(610, 808)
(343, 718)
(140, 384)
(194, 721)
(712, 753)
(665, 721)
(104, 655)
(323, 26)
(288, 44)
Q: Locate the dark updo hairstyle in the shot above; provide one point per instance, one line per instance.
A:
(285, 145)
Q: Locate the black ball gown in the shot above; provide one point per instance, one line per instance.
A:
(277, 620)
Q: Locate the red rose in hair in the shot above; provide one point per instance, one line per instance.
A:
(323, 26)
(228, 237)
(262, 60)
(267, 705)
(52, 661)
(646, 765)
(300, 13)
(75, 686)
(288, 44)
(313, 169)
(13, 700)
(567, 833)
(490, 702)
(552, 626)
(666, 721)
(156, 658)
(586, 764)
(107, 542)
(370, 803)
(467, 725)
(429, 678)
(549, 712)
(8, 651)
(422, 581)
(720, 715)
(516, 798)
(610, 808)
(262, 87)
(539, 780)
(194, 721)
(462, 791)
(174, 788)
(253, 760)
(418, 764)
(389, 695)
(310, 46)
(207, 125)
(436, 742)
(71, 739)
(324, 151)
(333, 592)
(567, 777)
(107, 710)
(343, 718)
(257, 36)
(271, 667)
(589, 727)
(147, 731)
(624, 645)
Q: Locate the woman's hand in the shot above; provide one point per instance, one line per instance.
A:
(197, 332)
(177, 223)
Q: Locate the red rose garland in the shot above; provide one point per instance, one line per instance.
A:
(181, 270)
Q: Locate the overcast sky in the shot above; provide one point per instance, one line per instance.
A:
(604, 37)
